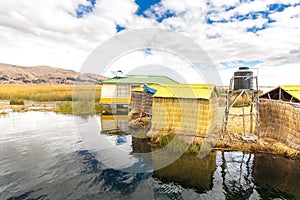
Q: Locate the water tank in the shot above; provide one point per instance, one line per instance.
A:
(243, 78)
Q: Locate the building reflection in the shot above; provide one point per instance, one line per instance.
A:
(189, 171)
(276, 177)
(114, 124)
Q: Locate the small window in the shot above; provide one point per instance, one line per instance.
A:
(123, 90)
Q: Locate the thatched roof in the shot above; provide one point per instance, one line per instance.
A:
(285, 93)
(186, 91)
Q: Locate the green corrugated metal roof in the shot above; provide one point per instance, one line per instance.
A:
(190, 91)
(141, 79)
(293, 90)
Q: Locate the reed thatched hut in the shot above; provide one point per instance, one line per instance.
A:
(185, 109)
(280, 115)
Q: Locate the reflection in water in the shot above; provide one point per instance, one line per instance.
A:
(190, 172)
(236, 175)
(42, 157)
(275, 177)
(107, 179)
(259, 176)
(140, 145)
(114, 124)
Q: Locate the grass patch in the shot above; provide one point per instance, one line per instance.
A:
(46, 92)
(64, 107)
(20, 109)
(3, 113)
(16, 102)
(235, 123)
(85, 107)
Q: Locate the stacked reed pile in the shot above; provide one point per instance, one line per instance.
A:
(142, 101)
(187, 116)
(137, 98)
(146, 102)
(281, 121)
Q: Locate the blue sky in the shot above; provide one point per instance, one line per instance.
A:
(233, 33)
(84, 9)
(144, 5)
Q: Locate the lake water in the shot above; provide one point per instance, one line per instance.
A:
(54, 156)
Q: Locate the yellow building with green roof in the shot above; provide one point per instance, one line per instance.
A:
(116, 91)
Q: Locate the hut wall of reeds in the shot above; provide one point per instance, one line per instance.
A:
(185, 109)
(137, 99)
(281, 120)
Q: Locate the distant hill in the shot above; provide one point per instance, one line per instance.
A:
(12, 74)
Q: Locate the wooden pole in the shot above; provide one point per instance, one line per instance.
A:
(251, 112)
(244, 129)
(257, 114)
(279, 93)
(226, 114)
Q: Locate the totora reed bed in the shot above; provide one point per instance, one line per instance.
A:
(262, 145)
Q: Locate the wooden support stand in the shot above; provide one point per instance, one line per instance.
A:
(232, 97)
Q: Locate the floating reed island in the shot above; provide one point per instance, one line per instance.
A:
(194, 111)
(162, 109)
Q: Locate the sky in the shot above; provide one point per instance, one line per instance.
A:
(233, 33)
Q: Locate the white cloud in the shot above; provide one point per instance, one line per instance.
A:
(183, 6)
(46, 32)
(228, 3)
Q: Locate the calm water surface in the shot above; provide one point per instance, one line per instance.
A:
(54, 156)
